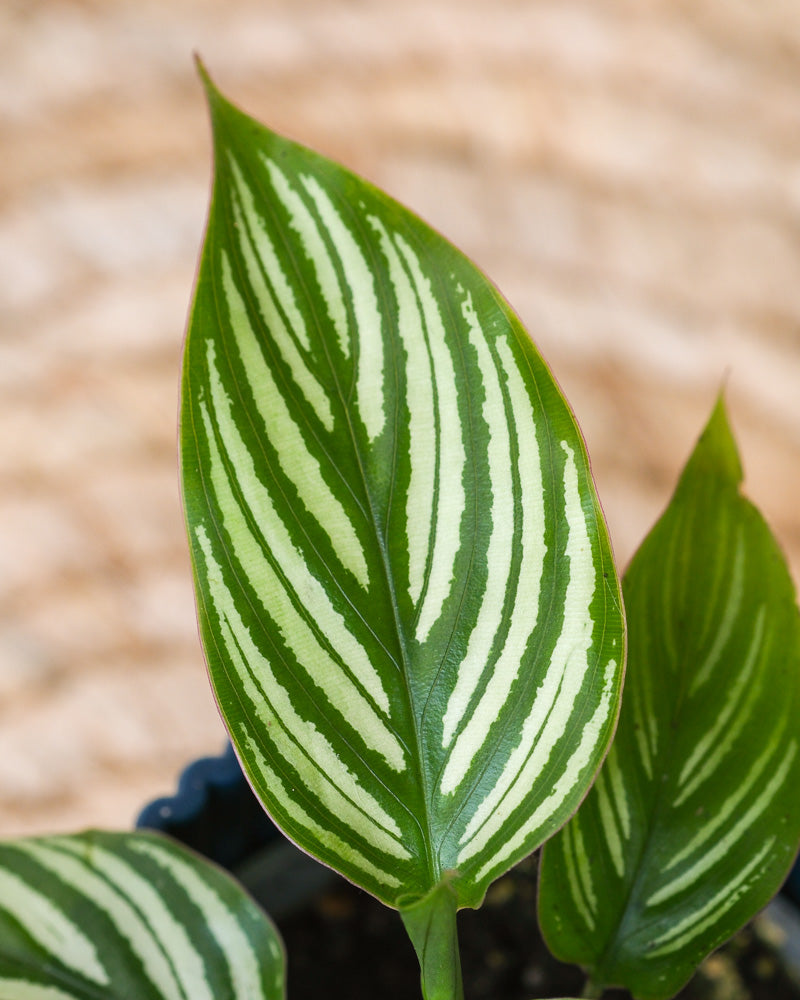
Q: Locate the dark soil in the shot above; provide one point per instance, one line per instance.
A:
(347, 945)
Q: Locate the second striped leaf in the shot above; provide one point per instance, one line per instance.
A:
(694, 819)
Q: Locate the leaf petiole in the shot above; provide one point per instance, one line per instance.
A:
(431, 925)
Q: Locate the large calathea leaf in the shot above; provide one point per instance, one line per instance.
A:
(406, 594)
(695, 817)
(111, 916)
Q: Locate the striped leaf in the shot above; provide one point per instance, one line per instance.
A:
(111, 916)
(695, 817)
(406, 594)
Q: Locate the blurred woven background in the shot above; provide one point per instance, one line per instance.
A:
(627, 172)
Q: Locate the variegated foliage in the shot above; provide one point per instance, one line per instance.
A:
(695, 817)
(110, 916)
(406, 594)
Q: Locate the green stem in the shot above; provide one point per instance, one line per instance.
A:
(591, 990)
(431, 925)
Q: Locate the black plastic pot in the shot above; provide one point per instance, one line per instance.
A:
(215, 812)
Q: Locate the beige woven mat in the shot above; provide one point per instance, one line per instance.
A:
(627, 172)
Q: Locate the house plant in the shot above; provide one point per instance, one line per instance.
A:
(415, 630)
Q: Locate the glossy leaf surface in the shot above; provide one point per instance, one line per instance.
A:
(695, 817)
(109, 916)
(406, 594)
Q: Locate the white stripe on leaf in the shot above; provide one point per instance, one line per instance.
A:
(361, 288)
(297, 587)
(284, 341)
(504, 672)
(694, 773)
(730, 616)
(277, 299)
(723, 845)
(218, 919)
(296, 741)
(295, 629)
(305, 225)
(423, 442)
(67, 864)
(499, 554)
(50, 928)
(23, 989)
(555, 699)
(611, 769)
(564, 789)
(646, 732)
(323, 834)
(609, 824)
(296, 462)
(448, 508)
(712, 823)
(188, 963)
(579, 875)
(692, 926)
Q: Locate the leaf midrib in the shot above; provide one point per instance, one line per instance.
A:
(379, 532)
(300, 273)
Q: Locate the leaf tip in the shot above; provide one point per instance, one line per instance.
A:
(213, 95)
(716, 449)
(222, 113)
(204, 75)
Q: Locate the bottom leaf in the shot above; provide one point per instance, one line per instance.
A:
(129, 915)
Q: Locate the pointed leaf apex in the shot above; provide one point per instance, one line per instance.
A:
(205, 78)
(217, 103)
(715, 452)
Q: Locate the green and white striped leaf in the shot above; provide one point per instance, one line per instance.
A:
(695, 818)
(111, 916)
(406, 593)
